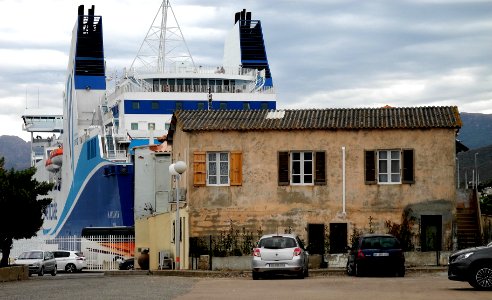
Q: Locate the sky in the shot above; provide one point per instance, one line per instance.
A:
(322, 53)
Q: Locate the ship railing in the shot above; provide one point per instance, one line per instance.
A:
(119, 155)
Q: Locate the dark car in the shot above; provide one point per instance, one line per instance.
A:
(473, 265)
(376, 253)
(127, 264)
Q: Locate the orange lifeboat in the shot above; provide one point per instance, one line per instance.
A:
(50, 166)
(56, 156)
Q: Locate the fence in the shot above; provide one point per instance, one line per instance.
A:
(101, 252)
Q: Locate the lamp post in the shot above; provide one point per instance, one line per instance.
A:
(177, 169)
(475, 177)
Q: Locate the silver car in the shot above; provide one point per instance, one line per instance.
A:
(280, 254)
(39, 262)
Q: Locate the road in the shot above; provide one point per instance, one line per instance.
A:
(96, 286)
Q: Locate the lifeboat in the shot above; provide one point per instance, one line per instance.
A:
(50, 166)
(56, 156)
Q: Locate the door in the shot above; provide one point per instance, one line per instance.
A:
(338, 237)
(316, 238)
(431, 235)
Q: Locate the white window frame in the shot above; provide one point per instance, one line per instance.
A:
(218, 175)
(389, 161)
(302, 173)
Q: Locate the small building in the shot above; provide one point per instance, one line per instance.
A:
(321, 173)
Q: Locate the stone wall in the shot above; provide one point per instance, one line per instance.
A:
(14, 273)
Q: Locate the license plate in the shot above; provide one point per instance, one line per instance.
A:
(380, 254)
(276, 265)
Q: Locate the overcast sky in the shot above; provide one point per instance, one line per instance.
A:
(322, 53)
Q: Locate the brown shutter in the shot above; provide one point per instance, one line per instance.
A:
(408, 166)
(370, 166)
(283, 168)
(236, 172)
(320, 164)
(199, 168)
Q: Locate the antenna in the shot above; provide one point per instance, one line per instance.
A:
(164, 45)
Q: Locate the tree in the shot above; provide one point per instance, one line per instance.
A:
(21, 212)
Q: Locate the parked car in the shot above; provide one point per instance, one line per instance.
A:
(70, 261)
(39, 262)
(127, 264)
(280, 254)
(473, 265)
(377, 253)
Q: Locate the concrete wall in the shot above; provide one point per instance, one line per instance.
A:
(155, 233)
(260, 203)
(14, 273)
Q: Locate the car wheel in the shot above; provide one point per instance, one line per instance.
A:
(129, 267)
(306, 272)
(481, 277)
(70, 268)
(256, 276)
(53, 273)
(41, 272)
(358, 270)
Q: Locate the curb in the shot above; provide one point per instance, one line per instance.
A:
(247, 273)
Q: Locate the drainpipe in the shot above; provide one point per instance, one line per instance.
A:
(343, 181)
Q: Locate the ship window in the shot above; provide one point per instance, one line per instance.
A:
(246, 105)
(264, 105)
(151, 126)
(223, 105)
(201, 105)
(167, 126)
(155, 105)
(136, 104)
(179, 105)
(134, 126)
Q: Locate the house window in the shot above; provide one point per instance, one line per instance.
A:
(155, 105)
(134, 126)
(135, 104)
(389, 166)
(217, 168)
(301, 168)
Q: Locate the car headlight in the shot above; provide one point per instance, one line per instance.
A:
(463, 256)
(36, 264)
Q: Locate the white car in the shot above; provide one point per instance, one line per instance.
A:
(70, 261)
(39, 262)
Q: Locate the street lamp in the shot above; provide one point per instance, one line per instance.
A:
(475, 178)
(177, 169)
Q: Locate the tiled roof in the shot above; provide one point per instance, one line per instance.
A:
(335, 118)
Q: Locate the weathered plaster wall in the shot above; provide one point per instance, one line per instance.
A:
(261, 202)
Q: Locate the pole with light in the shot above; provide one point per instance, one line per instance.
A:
(475, 177)
(177, 169)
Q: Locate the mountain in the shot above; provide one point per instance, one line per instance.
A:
(16, 151)
(476, 131)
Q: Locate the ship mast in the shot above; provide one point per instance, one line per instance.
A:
(164, 45)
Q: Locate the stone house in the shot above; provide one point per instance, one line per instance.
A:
(321, 173)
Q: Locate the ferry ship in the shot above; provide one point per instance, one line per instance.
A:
(89, 156)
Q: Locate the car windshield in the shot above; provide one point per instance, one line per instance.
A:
(31, 255)
(277, 242)
(380, 242)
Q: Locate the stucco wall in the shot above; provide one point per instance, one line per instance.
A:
(260, 202)
(156, 234)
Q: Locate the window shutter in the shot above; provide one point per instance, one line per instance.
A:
(408, 166)
(199, 168)
(236, 171)
(320, 175)
(370, 166)
(283, 168)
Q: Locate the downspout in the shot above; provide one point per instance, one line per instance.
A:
(343, 181)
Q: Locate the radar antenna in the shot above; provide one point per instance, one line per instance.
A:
(164, 45)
